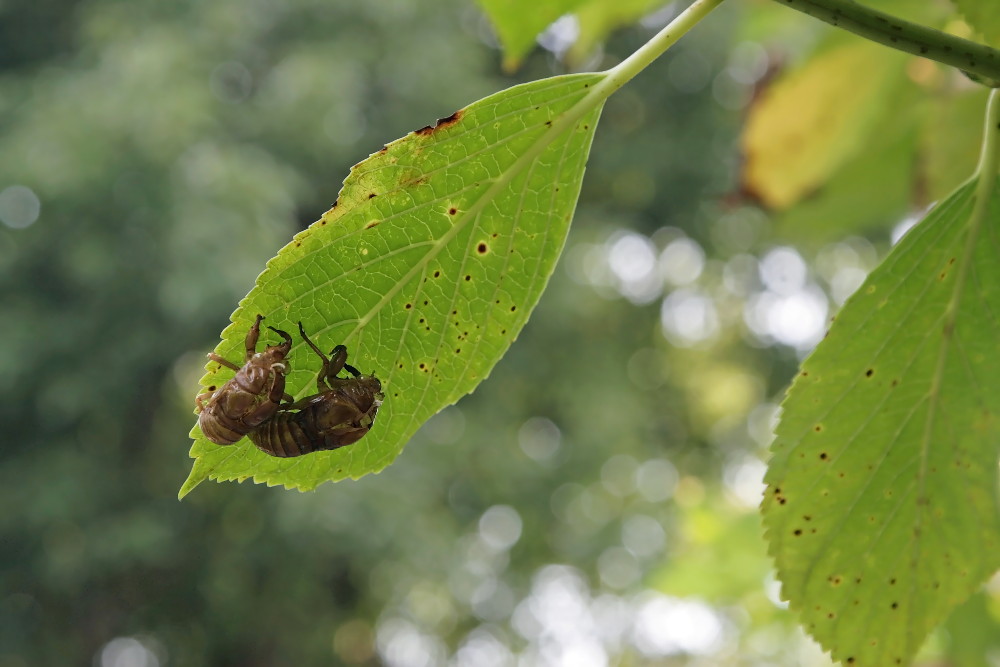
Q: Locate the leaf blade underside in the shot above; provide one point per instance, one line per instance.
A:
(881, 504)
(427, 267)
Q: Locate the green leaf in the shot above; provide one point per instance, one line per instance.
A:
(599, 18)
(518, 23)
(983, 16)
(427, 267)
(950, 139)
(881, 506)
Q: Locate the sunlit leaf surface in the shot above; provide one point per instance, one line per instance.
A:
(426, 268)
(881, 505)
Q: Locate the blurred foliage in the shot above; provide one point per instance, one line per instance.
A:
(570, 511)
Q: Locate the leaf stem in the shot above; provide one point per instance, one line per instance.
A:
(624, 71)
(981, 62)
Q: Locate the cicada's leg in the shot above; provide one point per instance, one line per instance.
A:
(212, 356)
(252, 336)
(352, 370)
(338, 361)
(325, 369)
(283, 334)
(303, 403)
(277, 392)
(198, 400)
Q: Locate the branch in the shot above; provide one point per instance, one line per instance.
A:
(979, 61)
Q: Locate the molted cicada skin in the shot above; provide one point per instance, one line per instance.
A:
(339, 415)
(252, 396)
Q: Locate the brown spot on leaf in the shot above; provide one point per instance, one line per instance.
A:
(452, 211)
(870, 372)
(441, 124)
(482, 248)
(373, 223)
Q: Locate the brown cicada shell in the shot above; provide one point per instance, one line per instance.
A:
(339, 415)
(252, 396)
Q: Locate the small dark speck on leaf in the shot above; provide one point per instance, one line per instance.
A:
(298, 244)
(212, 388)
(869, 372)
(408, 306)
(372, 195)
(373, 223)
(426, 302)
(818, 428)
(513, 308)
(468, 277)
(823, 456)
(797, 532)
(482, 248)
(894, 605)
(452, 211)
(437, 274)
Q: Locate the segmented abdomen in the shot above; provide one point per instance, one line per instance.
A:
(283, 436)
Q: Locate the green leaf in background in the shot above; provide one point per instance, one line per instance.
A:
(949, 139)
(983, 16)
(598, 18)
(874, 188)
(427, 267)
(518, 23)
(814, 119)
(881, 505)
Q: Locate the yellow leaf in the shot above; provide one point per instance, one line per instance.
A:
(815, 118)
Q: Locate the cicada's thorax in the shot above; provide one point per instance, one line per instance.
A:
(252, 396)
